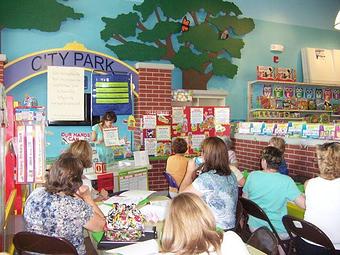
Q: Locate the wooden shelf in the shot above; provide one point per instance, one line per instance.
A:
(289, 110)
(204, 98)
(278, 118)
(295, 83)
(252, 111)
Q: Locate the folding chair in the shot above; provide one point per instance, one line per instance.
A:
(264, 240)
(239, 214)
(304, 229)
(256, 211)
(171, 182)
(29, 242)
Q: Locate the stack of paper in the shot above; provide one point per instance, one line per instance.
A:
(129, 197)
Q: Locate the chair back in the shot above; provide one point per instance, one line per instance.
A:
(239, 214)
(307, 230)
(256, 211)
(170, 180)
(29, 242)
(264, 240)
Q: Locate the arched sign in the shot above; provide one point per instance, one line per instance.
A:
(73, 54)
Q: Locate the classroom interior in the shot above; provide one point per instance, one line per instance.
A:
(244, 70)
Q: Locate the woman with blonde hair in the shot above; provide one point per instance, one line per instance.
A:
(323, 199)
(190, 228)
(215, 185)
(82, 150)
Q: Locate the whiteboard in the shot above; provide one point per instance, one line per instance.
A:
(65, 93)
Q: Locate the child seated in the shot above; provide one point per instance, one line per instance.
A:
(271, 191)
(280, 144)
(176, 165)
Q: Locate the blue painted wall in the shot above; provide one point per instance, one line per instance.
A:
(295, 24)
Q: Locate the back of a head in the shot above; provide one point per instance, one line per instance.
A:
(278, 142)
(215, 153)
(228, 142)
(190, 227)
(328, 155)
(65, 175)
(272, 156)
(179, 145)
(82, 150)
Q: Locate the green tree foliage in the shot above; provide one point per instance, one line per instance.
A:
(44, 15)
(153, 31)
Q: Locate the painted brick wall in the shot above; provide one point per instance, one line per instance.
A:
(154, 97)
(2, 63)
(156, 179)
(300, 160)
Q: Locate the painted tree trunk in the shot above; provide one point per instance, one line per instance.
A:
(195, 80)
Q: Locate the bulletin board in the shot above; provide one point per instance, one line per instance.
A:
(195, 123)
(111, 92)
(157, 134)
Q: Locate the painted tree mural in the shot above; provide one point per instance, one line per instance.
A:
(44, 15)
(157, 29)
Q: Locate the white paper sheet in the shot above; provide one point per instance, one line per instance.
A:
(110, 136)
(129, 197)
(105, 209)
(149, 247)
(141, 158)
(65, 93)
(154, 213)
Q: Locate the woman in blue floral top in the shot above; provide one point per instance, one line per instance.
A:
(64, 206)
(216, 184)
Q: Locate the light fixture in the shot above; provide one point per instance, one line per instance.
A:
(337, 21)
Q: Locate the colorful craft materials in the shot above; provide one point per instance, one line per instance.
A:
(124, 223)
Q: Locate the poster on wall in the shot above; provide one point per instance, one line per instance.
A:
(149, 121)
(111, 92)
(65, 93)
(198, 122)
(157, 134)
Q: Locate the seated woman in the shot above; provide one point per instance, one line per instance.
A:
(216, 185)
(82, 150)
(176, 165)
(271, 190)
(323, 199)
(63, 206)
(190, 228)
(195, 163)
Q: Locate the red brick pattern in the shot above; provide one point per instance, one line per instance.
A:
(300, 160)
(2, 72)
(154, 97)
(156, 179)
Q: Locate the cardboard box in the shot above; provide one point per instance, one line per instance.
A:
(265, 73)
(99, 167)
(285, 74)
